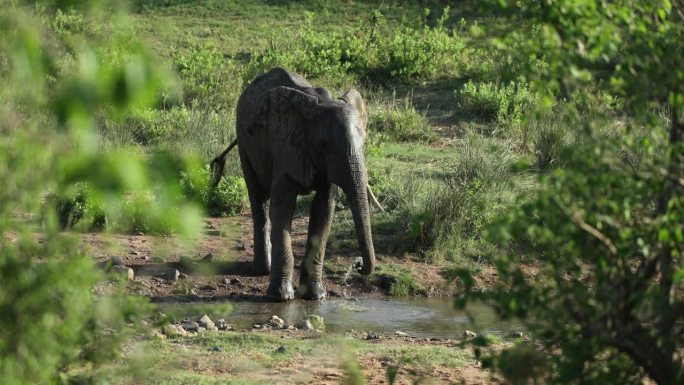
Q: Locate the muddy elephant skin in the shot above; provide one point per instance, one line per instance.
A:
(294, 139)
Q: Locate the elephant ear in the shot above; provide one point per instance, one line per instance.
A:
(354, 98)
(288, 114)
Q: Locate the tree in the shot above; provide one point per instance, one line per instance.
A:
(608, 228)
(64, 67)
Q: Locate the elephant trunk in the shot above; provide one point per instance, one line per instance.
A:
(355, 187)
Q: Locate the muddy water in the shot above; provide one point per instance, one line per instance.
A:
(421, 317)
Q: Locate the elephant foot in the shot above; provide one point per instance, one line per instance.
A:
(311, 290)
(281, 291)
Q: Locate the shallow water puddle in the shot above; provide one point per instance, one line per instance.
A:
(420, 317)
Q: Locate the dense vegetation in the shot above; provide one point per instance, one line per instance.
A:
(544, 137)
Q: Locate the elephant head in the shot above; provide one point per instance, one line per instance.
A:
(319, 140)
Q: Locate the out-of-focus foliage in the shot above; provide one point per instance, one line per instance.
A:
(607, 301)
(65, 66)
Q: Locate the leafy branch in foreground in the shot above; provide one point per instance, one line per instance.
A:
(57, 86)
(607, 302)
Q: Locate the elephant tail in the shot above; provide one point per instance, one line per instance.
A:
(218, 164)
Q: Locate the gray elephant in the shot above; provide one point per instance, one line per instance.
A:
(294, 139)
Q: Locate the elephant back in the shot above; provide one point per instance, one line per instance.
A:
(252, 97)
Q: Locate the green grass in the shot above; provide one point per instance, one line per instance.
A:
(447, 117)
(252, 358)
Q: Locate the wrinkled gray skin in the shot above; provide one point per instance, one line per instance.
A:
(294, 139)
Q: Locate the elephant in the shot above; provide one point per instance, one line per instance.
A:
(294, 139)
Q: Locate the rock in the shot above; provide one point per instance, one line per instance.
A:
(305, 324)
(191, 326)
(201, 330)
(281, 349)
(174, 331)
(222, 325)
(242, 247)
(236, 281)
(115, 261)
(257, 326)
(208, 258)
(363, 335)
(212, 329)
(205, 322)
(334, 293)
(275, 322)
(468, 334)
(182, 276)
(172, 274)
(516, 335)
(317, 322)
(215, 349)
(209, 286)
(157, 334)
(124, 271)
(372, 336)
(133, 252)
(400, 334)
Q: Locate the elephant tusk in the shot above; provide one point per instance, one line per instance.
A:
(373, 200)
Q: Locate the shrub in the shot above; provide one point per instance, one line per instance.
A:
(209, 79)
(500, 103)
(402, 123)
(400, 54)
(76, 204)
(228, 198)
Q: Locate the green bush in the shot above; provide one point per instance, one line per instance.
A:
(76, 204)
(401, 123)
(399, 54)
(209, 79)
(504, 104)
(228, 198)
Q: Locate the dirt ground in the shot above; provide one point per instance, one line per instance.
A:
(218, 265)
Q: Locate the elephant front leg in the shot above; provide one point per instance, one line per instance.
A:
(311, 270)
(283, 199)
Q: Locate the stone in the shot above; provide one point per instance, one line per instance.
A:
(201, 330)
(236, 281)
(275, 322)
(172, 274)
(124, 271)
(372, 336)
(281, 349)
(174, 331)
(257, 326)
(115, 261)
(191, 326)
(205, 322)
(157, 334)
(468, 334)
(242, 247)
(215, 349)
(208, 258)
(223, 325)
(516, 335)
(212, 329)
(305, 324)
(400, 334)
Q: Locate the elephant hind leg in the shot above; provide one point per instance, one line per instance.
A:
(283, 200)
(258, 200)
(311, 270)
